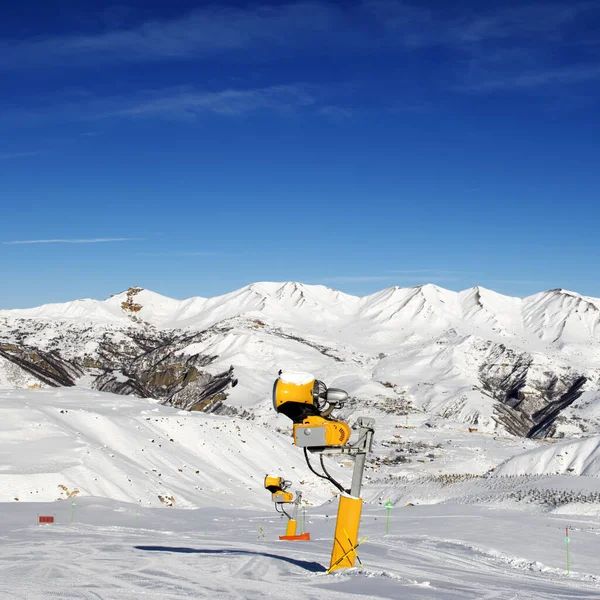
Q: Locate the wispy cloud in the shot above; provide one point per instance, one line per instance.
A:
(335, 113)
(71, 241)
(231, 102)
(11, 155)
(310, 25)
(175, 254)
(529, 20)
(199, 33)
(386, 278)
(428, 271)
(180, 103)
(516, 281)
(565, 75)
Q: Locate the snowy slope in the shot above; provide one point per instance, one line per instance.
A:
(580, 457)
(135, 450)
(443, 552)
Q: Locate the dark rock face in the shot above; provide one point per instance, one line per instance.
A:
(141, 361)
(527, 403)
(48, 367)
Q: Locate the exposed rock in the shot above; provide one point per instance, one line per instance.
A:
(48, 367)
(528, 405)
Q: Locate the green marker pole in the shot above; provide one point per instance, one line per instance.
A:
(388, 505)
(567, 540)
(73, 510)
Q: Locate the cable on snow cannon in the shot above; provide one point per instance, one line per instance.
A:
(309, 404)
(278, 486)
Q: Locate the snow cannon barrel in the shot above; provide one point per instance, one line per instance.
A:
(276, 484)
(277, 487)
(293, 395)
(308, 403)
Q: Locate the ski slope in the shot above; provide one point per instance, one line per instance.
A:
(113, 551)
(458, 528)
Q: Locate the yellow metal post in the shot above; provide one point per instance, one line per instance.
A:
(346, 533)
(291, 527)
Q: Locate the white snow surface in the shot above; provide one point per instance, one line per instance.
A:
(456, 529)
(135, 450)
(296, 377)
(108, 550)
(580, 457)
(477, 513)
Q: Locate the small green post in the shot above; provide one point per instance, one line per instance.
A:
(73, 511)
(261, 533)
(388, 505)
(567, 540)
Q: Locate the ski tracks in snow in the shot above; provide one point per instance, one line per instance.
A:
(91, 562)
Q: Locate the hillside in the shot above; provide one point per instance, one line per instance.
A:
(524, 366)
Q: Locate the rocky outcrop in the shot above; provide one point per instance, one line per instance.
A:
(48, 367)
(528, 402)
(141, 361)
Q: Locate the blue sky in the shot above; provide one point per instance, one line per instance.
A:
(192, 148)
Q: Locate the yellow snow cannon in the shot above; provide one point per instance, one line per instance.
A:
(309, 403)
(277, 487)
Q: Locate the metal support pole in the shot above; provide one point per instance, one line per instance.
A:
(365, 433)
(357, 475)
(297, 504)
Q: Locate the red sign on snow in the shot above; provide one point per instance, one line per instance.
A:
(45, 519)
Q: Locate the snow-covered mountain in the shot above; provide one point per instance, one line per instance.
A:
(91, 392)
(521, 365)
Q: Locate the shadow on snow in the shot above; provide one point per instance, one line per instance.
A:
(314, 567)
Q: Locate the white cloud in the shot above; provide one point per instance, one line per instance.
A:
(306, 24)
(71, 241)
(182, 103)
(405, 276)
(199, 33)
(175, 254)
(565, 75)
(11, 155)
(231, 102)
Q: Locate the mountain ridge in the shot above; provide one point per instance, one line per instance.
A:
(475, 355)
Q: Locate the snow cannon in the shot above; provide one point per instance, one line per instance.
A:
(277, 487)
(309, 403)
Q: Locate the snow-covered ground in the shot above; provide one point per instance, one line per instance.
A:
(111, 551)
(169, 503)
(458, 529)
